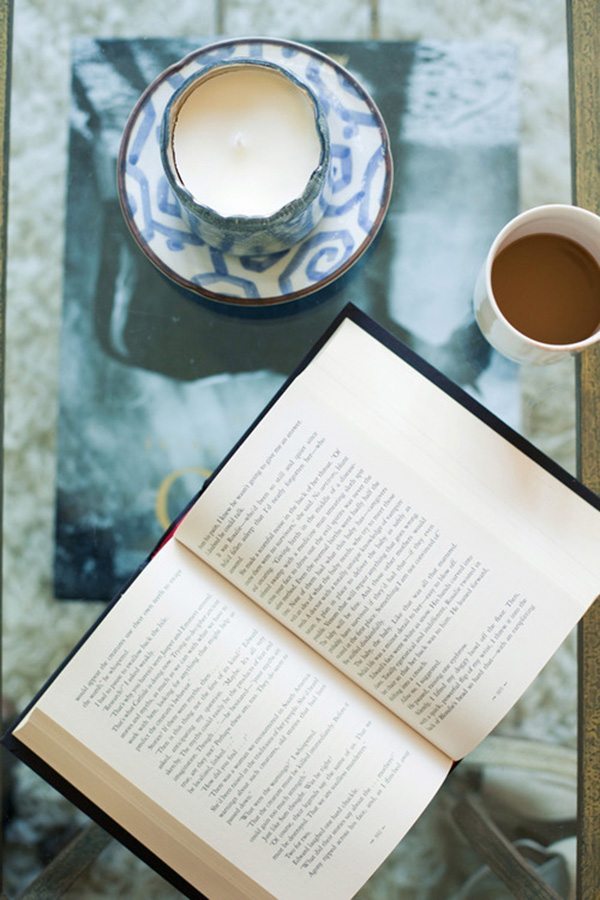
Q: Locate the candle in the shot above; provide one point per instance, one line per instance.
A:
(245, 141)
(245, 148)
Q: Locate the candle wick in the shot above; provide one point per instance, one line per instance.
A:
(238, 141)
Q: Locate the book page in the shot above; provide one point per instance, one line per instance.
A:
(435, 573)
(262, 756)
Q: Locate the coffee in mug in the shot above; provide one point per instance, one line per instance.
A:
(538, 294)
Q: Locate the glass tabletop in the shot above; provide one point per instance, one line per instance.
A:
(124, 389)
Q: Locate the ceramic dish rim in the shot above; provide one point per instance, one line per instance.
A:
(274, 299)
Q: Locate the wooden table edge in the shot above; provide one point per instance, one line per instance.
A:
(583, 21)
(6, 11)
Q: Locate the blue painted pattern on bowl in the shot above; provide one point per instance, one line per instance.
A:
(357, 192)
(245, 235)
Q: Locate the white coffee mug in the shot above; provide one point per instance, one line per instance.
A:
(573, 222)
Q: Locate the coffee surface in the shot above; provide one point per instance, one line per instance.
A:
(548, 287)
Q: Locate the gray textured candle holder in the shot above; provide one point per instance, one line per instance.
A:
(248, 235)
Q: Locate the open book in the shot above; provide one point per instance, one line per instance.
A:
(352, 602)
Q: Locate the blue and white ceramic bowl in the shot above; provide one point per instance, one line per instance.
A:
(248, 234)
(356, 195)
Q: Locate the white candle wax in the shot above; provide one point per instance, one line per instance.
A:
(245, 141)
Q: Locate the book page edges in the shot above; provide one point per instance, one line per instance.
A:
(468, 459)
(164, 836)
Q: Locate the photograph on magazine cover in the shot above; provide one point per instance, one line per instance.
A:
(157, 385)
